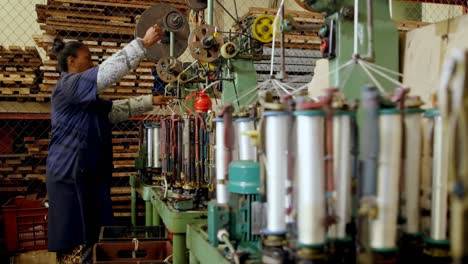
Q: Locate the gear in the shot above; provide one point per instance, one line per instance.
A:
(205, 43)
(168, 68)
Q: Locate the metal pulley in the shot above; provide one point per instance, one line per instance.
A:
(171, 20)
(197, 5)
(174, 21)
(262, 28)
(229, 50)
(205, 43)
(168, 68)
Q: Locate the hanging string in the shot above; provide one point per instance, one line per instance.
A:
(387, 77)
(377, 83)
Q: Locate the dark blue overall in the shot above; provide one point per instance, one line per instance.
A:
(79, 164)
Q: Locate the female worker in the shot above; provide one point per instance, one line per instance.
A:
(79, 164)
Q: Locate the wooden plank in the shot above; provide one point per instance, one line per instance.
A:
(125, 4)
(120, 190)
(13, 189)
(68, 14)
(120, 198)
(87, 23)
(125, 155)
(77, 28)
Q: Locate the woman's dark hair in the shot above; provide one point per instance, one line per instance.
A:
(63, 50)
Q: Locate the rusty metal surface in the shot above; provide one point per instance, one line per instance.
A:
(161, 14)
(168, 69)
(197, 5)
(205, 44)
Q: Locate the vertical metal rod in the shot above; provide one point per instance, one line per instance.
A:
(283, 51)
(179, 248)
(330, 48)
(209, 19)
(156, 219)
(356, 23)
(133, 204)
(370, 31)
(171, 46)
(235, 8)
(148, 213)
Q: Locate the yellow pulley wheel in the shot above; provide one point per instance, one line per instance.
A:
(262, 28)
(229, 50)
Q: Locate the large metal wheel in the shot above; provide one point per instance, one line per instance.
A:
(205, 43)
(170, 19)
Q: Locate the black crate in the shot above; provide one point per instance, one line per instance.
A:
(125, 233)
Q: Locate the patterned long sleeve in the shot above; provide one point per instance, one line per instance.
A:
(120, 64)
(124, 109)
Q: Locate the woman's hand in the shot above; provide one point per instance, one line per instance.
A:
(152, 35)
(161, 100)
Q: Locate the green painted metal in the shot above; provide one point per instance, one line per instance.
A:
(301, 245)
(201, 251)
(156, 218)
(175, 221)
(389, 111)
(133, 201)
(179, 248)
(431, 113)
(210, 10)
(384, 250)
(409, 111)
(309, 113)
(148, 214)
(431, 241)
(184, 205)
(218, 218)
(386, 54)
(244, 177)
(403, 10)
(241, 224)
(140, 161)
(244, 80)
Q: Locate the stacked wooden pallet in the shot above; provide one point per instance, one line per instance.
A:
(18, 71)
(310, 40)
(105, 26)
(18, 170)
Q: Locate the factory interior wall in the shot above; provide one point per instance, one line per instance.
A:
(426, 49)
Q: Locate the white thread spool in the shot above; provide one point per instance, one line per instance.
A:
(153, 152)
(311, 177)
(342, 171)
(149, 146)
(384, 227)
(427, 167)
(222, 194)
(412, 169)
(247, 151)
(156, 147)
(439, 203)
(277, 133)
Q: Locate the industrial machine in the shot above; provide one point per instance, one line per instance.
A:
(271, 174)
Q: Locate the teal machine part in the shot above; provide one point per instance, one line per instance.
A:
(238, 216)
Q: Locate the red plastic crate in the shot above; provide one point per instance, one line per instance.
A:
(25, 223)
